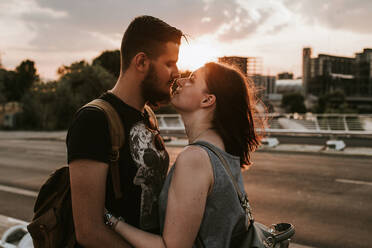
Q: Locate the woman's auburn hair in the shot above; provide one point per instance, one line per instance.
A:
(235, 118)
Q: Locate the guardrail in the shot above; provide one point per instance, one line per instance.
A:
(293, 124)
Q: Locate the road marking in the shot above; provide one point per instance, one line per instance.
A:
(354, 182)
(18, 191)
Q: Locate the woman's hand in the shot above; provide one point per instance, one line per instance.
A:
(110, 220)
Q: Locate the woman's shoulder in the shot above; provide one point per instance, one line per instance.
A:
(194, 158)
(193, 167)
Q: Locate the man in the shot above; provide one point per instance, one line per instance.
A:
(149, 52)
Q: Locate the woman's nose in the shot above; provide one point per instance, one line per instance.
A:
(181, 81)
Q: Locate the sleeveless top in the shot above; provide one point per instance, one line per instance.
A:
(223, 213)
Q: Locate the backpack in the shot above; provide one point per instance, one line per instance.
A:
(52, 224)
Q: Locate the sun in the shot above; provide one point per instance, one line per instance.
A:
(196, 53)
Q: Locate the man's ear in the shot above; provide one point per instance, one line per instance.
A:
(208, 100)
(141, 62)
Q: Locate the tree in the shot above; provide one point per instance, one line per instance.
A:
(79, 83)
(294, 103)
(334, 102)
(3, 98)
(18, 82)
(110, 60)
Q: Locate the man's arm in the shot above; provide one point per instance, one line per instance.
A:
(88, 188)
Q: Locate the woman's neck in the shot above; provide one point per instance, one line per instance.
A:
(198, 128)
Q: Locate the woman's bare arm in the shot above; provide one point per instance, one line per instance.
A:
(188, 192)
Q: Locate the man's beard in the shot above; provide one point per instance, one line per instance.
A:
(151, 91)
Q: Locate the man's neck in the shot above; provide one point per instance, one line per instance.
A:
(128, 89)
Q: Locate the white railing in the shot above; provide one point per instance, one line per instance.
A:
(296, 124)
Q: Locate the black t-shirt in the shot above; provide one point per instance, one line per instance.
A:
(142, 165)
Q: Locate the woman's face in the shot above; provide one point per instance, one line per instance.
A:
(190, 91)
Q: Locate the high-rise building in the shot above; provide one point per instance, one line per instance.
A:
(327, 73)
(238, 62)
(363, 71)
(265, 85)
(252, 68)
(350, 75)
(306, 67)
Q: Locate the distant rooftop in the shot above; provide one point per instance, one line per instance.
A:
(288, 82)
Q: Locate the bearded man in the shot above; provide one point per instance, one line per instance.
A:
(149, 53)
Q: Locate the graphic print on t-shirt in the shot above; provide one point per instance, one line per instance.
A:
(152, 169)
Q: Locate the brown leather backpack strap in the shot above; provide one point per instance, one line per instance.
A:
(117, 136)
(152, 115)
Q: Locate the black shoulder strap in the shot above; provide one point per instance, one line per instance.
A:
(117, 136)
(242, 197)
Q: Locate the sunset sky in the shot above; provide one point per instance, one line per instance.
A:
(56, 32)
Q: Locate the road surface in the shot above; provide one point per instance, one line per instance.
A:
(327, 198)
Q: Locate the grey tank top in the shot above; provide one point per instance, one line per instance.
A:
(223, 214)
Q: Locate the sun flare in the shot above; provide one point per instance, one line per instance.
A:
(196, 53)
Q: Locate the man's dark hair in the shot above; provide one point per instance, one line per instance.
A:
(146, 34)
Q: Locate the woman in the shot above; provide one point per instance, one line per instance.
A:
(198, 200)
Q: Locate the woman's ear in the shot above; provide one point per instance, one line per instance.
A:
(141, 62)
(208, 100)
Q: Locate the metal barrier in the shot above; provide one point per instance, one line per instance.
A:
(293, 124)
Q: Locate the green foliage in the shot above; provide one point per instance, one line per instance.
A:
(38, 107)
(110, 60)
(334, 102)
(14, 84)
(52, 105)
(294, 103)
(81, 84)
(2, 87)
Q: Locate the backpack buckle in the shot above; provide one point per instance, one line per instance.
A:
(114, 156)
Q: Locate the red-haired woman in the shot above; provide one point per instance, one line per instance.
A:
(198, 200)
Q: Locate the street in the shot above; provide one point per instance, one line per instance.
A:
(327, 198)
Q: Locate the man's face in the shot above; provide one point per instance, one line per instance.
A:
(163, 70)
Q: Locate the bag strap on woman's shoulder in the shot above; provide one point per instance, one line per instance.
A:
(116, 130)
(242, 197)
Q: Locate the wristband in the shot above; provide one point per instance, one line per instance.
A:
(111, 221)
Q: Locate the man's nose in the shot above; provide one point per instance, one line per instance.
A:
(175, 72)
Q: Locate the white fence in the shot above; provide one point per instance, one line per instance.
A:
(294, 124)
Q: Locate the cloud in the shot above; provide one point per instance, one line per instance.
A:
(350, 15)
(90, 24)
(243, 24)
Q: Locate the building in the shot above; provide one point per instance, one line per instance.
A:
(238, 62)
(350, 75)
(288, 86)
(285, 75)
(265, 84)
(327, 73)
(252, 68)
(306, 68)
(8, 114)
(363, 71)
